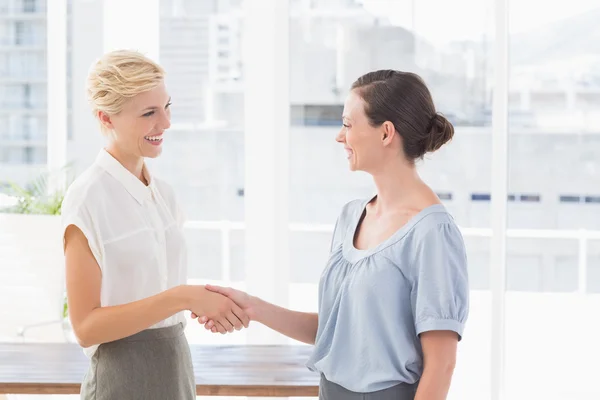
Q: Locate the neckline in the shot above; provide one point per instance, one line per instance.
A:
(140, 191)
(353, 254)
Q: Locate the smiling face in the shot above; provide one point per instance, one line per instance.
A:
(391, 113)
(127, 93)
(139, 127)
(362, 142)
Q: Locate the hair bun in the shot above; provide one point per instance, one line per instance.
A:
(440, 133)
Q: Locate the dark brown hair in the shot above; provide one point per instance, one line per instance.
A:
(403, 99)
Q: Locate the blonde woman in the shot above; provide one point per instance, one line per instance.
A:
(124, 247)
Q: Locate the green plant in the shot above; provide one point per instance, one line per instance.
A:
(35, 197)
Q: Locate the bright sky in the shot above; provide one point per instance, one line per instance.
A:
(441, 21)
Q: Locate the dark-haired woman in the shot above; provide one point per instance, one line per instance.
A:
(393, 298)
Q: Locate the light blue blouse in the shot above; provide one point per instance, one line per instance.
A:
(374, 303)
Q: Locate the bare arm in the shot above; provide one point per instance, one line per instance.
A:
(301, 326)
(94, 324)
(439, 358)
(297, 325)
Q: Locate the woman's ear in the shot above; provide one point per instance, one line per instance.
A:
(105, 120)
(388, 131)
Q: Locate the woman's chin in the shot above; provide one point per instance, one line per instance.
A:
(153, 153)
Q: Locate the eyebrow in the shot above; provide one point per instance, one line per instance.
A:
(154, 107)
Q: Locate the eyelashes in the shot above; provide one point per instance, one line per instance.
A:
(150, 113)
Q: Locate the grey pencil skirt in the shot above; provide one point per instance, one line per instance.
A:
(332, 391)
(154, 364)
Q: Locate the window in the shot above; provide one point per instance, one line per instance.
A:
(29, 6)
(530, 198)
(552, 252)
(28, 32)
(543, 273)
(481, 197)
(316, 115)
(28, 155)
(592, 199)
(19, 32)
(570, 199)
(27, 95)
(204, 160)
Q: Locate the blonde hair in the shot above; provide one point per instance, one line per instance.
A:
(118, 76)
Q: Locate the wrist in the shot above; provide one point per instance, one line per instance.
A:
(256, 310)
(183, 297)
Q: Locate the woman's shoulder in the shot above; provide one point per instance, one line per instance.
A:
(85, 188)
(432, 226)
(435, 229)
(433, 218)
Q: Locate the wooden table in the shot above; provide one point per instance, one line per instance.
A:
(241, 370)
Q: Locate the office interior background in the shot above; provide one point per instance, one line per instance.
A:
(258, 88)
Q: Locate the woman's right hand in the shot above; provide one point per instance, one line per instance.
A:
(226, 314)
(247, 303)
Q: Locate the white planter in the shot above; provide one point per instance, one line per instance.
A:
(31, 275)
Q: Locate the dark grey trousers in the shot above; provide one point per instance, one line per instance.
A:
(332, 391)
(154, 364)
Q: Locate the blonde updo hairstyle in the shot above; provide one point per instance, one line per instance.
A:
(118, 76)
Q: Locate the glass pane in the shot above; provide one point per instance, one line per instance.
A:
(554, 124)
(203, 155)
(543, 310)
(204, 158)
(327, 54)
(23, 94)
(204, 254)
(31, 263)
(542, 266)
(331, 45)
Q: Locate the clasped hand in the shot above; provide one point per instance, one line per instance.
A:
(234, 310)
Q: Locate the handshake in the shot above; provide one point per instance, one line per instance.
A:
(222, 309)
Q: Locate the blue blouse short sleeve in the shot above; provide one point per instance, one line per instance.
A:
(440, 289)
